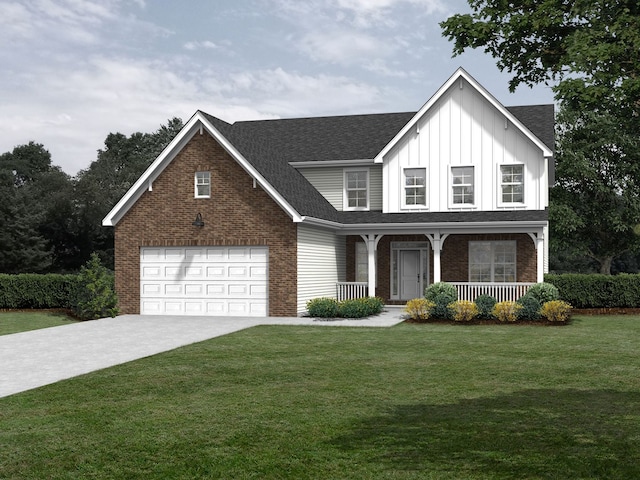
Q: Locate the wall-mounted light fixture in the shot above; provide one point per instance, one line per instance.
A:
(198, 221)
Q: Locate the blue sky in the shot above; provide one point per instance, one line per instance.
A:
(75, 70)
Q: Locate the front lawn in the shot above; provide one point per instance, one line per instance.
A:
(14, 322)
(417, 401)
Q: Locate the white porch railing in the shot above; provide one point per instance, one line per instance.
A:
(351, 290)
(500, 291)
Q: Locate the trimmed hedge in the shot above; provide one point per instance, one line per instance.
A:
(30, 290)
(598, 291)
(325, 307)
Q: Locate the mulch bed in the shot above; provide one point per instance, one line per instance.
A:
(441, 321)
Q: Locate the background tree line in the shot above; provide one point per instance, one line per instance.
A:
(50, 221)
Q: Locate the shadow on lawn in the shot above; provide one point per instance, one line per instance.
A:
(565, 434)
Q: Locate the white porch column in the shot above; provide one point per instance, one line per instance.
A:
(436, 245)
(539, 242)
(371, 241)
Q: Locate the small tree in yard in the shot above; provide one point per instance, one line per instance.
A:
(95, 296)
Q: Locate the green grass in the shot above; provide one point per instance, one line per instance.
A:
(411, 402)
(14, 322)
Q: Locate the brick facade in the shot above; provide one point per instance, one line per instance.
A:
(236, 214)
(454, 258)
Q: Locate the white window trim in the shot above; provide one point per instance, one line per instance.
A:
(493, 243)
(476, 191)
(345, 196)
(403, 190)
(195, 185)
(500, 184)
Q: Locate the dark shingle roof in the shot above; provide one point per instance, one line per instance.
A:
(271, 145)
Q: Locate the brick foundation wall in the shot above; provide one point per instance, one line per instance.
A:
(236, 214)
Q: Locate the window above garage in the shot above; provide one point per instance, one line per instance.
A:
(203, 185)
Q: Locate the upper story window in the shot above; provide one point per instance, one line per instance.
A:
(415, 187)
(492, 261)
(462, 180)
(203, 185)
(356, 187)
(512, 183)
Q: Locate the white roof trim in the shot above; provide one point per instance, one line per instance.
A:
(461, 73)
(193, 126)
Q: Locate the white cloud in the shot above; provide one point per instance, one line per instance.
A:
(195, 45)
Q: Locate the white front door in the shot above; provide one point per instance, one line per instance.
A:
(410, 274)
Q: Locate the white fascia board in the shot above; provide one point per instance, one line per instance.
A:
(461, 73)
(443, 227)
(319, 222)
(195, 124)
(333, 163)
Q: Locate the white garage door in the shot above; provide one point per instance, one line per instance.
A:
(204, 281)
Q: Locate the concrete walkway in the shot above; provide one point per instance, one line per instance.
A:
(40, 357)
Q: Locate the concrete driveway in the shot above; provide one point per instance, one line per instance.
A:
(40, 357)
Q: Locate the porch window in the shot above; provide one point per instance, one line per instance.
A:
(203, 185)
(462, 185)
(362, 263)
(493, 262)
(356, 184)
(415, 187)
(512, 183)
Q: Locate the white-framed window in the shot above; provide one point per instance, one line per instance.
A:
(415, 187)
(356, 189)
(493, 262)
(362, 262)
(462, 186)
(512, 183)
(203, 184)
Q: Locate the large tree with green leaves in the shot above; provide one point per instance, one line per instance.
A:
(595, 206)
(588, 50)
(108, 178)
(589, 47)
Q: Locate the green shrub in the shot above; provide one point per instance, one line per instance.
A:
(419, 308)
(441, 294)
(30, 290)
(598, 291)
(463, 310)
(323, 307)
(530, 308)
(441, 288)
(556, 311)
(506, 311)
(95, 295)
(544, 292)
(485, 304)
(360, 307)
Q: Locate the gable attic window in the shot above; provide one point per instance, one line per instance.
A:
(512, 183)
(462, 186)
(356, 189)
(415, 187)
(203, 185)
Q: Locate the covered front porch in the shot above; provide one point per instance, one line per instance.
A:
(399, 265)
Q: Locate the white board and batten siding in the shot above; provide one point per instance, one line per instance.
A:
(210, 281)
(321, 263)
(329, 181)
(464, 129)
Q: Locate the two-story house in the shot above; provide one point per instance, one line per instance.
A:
(258, 217)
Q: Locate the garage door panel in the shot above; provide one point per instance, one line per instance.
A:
(204, 281)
